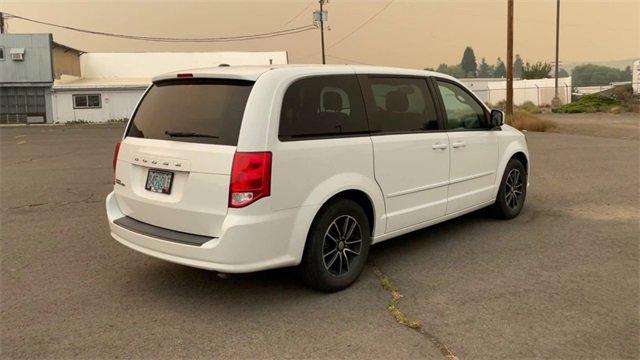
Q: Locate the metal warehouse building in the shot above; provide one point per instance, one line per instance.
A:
(29, 64)
(112, 83)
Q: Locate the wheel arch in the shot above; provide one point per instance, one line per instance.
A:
(359, 197)
(522, 157)
(515, 150)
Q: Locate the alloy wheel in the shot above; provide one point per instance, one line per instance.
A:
(514, 187)
(341, 245)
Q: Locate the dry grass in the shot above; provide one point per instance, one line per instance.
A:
(524, 120)
(616, 110)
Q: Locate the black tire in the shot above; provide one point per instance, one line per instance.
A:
(314, 269)
(512, 192)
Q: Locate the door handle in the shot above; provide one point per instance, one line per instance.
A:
(439, 146)
(459, 144)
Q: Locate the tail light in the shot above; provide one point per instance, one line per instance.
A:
(115, 159)
(250, 178)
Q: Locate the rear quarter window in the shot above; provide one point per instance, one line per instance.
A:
(206, 111)
(402, 105)
(322, 107)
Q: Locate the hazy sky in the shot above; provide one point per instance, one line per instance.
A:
(408, 33)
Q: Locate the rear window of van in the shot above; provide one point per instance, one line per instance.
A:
(205, 111)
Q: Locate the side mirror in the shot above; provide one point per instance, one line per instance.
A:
(496, 119)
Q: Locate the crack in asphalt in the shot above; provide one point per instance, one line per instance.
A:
(43, 157)
(86, 200)
(403, 319)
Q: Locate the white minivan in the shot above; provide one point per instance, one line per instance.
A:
(240, 169)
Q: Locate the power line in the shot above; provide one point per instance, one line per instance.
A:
(172, 39)
(300, 13)
(363, 24)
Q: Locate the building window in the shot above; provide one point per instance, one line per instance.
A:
(87, 101)
(1, 53)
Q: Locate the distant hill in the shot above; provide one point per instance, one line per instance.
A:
(618, 64)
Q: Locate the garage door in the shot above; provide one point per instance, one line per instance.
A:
(22, 105)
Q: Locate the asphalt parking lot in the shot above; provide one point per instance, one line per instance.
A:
(560, 281)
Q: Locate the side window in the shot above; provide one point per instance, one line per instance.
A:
(463, 111)
(402, 105)
(323, 106)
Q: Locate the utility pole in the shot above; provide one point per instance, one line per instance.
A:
(509, 105)
(1, 22)
(556, 99)
(322, 19)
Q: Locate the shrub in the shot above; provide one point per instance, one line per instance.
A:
(589, 104)
(524, 120)
(501, 105)
(77, 122)
(526, 106)
(530, 107)
(118, 120)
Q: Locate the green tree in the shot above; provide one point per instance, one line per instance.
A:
(485, 70)
(468, 63)
(597, 75)
(518, 64)
(500, 70)
(453, 70)
(538, 70)
(562, 73)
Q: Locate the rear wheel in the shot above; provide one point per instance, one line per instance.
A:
(337, 246)
(512, 192)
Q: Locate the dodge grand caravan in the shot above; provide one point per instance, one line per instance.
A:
(240, 169)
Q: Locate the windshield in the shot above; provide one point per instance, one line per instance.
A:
(195, 110)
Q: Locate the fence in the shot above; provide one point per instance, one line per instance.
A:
(539, 91)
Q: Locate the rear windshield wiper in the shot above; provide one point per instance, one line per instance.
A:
(189, 134)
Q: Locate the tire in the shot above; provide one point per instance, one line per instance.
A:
(512, 192)
(334, 258)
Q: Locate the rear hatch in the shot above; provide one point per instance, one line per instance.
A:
(174, 164)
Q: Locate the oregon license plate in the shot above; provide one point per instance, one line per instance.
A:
(159, 181)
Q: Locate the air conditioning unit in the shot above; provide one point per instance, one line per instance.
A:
(17, 54)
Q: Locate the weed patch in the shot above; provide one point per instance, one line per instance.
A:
(524, 120)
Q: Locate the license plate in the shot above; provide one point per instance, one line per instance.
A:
(159, 181)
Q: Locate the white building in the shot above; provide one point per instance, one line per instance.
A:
(539, 91)
(112, 83)
(635, 77)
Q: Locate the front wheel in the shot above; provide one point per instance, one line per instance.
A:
(337, 246)
(512, 192)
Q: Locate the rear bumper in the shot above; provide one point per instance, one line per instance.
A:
(247, 242)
